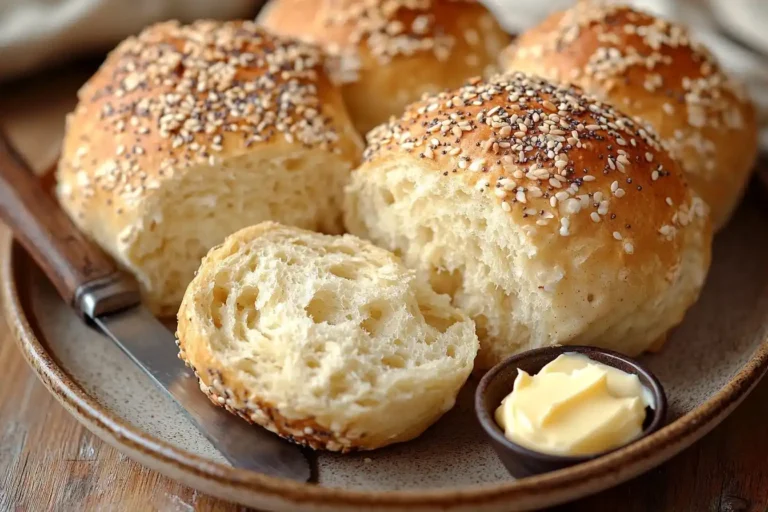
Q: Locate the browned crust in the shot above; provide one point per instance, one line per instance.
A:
(304, 432)
(393, 51)
(666, 79)
(139, 119)
(176, 97)
(379, 29)
(471, 150)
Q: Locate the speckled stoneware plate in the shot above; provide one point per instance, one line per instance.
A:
(708, 366)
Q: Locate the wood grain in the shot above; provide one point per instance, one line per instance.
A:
(49, 462)
(68, 259)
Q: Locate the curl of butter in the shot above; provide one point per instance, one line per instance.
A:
(574, 406)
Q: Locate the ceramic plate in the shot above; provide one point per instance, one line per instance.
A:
(707, 367)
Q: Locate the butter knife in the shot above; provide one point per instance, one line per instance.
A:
(88, 280)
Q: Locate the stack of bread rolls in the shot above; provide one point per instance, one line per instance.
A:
(566, 200)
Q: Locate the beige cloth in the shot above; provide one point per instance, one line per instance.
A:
(36, 33)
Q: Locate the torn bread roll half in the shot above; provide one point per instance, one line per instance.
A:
(548, 216)
(651, 68)
(188, 133)
(328, 341)
(386, 54)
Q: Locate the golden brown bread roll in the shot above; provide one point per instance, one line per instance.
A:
(548, 216)
(326, 340)
(388, 53)
(650, 68)
(188, 133)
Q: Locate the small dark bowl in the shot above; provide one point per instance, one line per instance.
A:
(499, 381)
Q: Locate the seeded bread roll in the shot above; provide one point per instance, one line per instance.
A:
(328, 341)
(388, 53)
(650, 68)
(188, 133)
(549, 217)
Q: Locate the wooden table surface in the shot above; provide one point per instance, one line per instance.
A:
(49, 462)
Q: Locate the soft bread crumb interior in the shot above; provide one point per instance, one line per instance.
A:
(524, 287)
(335, 329)
(193, 213)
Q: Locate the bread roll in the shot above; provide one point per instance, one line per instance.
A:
(328, 341)
(388, 53)
(188, 133)
(549, 217)
(650, 68)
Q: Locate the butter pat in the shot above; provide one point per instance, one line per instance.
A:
(574, 406)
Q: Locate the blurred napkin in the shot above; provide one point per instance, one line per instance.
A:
(36, 33)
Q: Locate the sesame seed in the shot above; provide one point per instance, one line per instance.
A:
(192, 113)
(508, 184)
(572, 206)
(529, 151)
(477, 165)
(617, 235)
(629, 248)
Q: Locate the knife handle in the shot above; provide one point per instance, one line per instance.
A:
(84, 276)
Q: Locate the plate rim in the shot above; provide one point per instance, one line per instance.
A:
(547, 489)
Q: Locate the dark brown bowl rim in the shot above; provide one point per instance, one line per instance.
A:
(492, 429)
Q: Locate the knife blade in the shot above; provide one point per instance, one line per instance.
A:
(87, 279)
(152, 347)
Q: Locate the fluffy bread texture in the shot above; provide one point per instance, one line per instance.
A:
(388, 53)
(326, 340)
(549, 217)
(650, 68)
(189, 133)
